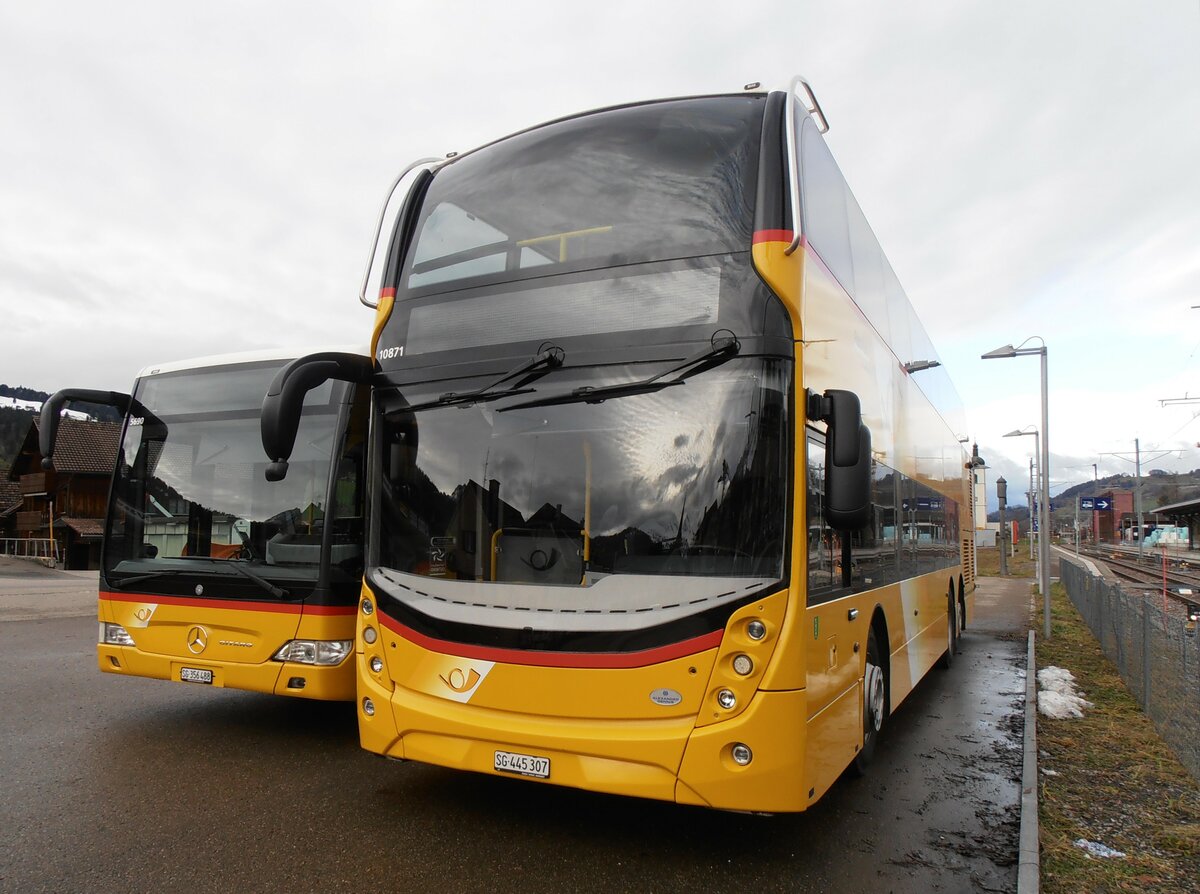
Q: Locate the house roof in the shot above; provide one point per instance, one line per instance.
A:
(87, 528)
(83, 447)
(10, 495)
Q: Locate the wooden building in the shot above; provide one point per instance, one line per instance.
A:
(74, 493)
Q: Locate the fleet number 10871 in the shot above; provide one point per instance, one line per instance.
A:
(390, 353)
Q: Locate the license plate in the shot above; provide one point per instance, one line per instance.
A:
(523, 764)
(195, 675)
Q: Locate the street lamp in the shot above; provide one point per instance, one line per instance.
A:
(1044, 462)
(916, 366)
(1016, 433)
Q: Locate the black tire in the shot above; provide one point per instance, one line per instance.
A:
(875, 703)
(947, 659)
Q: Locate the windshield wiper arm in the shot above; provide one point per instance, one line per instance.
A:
(722, 349)
(548, 357)
(275, 591)
(137, 578)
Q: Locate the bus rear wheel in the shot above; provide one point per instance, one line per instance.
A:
(947, 659)
(874, 704)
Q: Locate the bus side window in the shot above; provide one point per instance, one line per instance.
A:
(823, 547)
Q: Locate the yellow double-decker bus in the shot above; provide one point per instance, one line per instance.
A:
(665, 497)
(210, 573)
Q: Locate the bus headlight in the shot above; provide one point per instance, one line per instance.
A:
(114, 635)
(756, 629)
(376, 664)
(741, 754)
(726, 699)
(319, 652)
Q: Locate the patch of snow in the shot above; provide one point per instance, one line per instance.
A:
(1058, 696)
(19, 404)
(1096, 849)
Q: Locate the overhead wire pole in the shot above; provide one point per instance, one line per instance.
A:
(1137, 485)
(1044, 470)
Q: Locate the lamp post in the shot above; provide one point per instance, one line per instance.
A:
(1033, 494)
(1044, 470)
(1002, 498)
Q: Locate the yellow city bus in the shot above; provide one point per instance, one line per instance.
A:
(211, 574)
(665, 497)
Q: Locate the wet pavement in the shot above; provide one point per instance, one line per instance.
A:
(113, 783)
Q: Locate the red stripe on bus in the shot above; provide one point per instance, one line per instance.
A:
(234, 605)
(387, 293)
(761, 236)
(558, 659)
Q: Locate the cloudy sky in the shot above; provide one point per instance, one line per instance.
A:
(185, 180)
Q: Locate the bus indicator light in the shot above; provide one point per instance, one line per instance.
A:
(368, 707)
(743, 665)
(370, 635)
(741, 754)
(756, 629)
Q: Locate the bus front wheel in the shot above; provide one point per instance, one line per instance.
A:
(874, 703)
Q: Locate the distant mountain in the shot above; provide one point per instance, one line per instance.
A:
(22, 393)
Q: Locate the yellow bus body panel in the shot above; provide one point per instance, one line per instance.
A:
(802, 715)
(237, 646)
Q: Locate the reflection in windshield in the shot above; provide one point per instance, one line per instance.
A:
(191, 485)
(687, 481)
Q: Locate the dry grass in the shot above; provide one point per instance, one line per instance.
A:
(987, 562)
(1117, 784)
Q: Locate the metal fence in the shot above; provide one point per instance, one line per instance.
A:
(1157, 656)
(44, 548)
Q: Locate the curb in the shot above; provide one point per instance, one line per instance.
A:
(1029, 867)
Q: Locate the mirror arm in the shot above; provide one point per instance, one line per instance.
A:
(52, 409)
(284, 402)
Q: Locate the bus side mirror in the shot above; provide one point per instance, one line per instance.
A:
(847, 459)
(52, 414)
(285, 400)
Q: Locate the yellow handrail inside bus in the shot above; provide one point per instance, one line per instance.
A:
(562, 239)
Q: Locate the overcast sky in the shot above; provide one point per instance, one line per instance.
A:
(186, 180)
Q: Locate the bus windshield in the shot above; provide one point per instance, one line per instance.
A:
(638, 510)
(190, 497)
(641, 183)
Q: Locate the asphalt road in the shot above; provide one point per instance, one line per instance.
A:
(118, 784)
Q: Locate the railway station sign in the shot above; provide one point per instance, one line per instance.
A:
(1100, 504)
(923, 504)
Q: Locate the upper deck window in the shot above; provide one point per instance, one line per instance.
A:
(664, 180)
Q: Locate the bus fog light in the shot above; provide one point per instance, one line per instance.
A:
(756, 629)
(115, 635)
(367, 607)
(376, 664)
(368, 707)
(726, 699)
(741, 754)
(370, 635)
(319, 652)
(743, 665)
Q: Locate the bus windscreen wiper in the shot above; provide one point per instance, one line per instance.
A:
(548, 357)
(275, 591)
(138, 578)
(723, 348)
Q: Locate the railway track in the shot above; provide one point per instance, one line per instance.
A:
(1181, 588)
